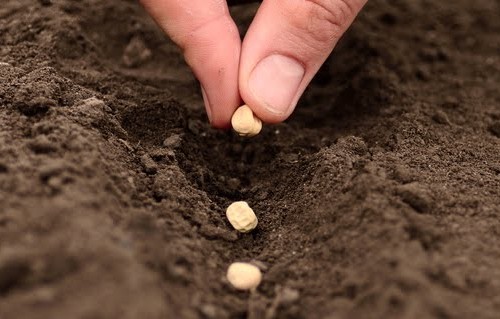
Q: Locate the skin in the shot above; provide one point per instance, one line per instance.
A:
(285, 46)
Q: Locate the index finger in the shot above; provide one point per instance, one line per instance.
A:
(211, 45)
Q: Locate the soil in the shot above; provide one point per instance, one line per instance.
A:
(378, 198)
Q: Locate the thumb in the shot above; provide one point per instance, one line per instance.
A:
(285, 46)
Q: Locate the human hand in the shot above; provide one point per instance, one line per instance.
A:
(284, 47)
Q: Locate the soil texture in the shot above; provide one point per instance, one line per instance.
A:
(378, 198)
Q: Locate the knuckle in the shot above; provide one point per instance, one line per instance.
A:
(196, 32)
(326, 20)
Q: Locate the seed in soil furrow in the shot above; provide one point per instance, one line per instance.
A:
(244, 276)
(241, 217)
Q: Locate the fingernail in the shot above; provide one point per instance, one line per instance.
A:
(207, 104)
(275, 81)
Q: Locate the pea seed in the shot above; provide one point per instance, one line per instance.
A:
(245, 123)
(241, 216)
(244, 276)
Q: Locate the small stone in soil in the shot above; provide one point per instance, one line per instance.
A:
(440, 117)
(136, 53)
(150, 167)
(173, 141)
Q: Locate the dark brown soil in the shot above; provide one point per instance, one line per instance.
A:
(379, 198)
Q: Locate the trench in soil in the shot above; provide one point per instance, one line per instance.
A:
(379, 196)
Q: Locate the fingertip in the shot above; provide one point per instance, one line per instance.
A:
(268, 117)
(221, 118)
(223, 123)
(262, 111)
(207, 104)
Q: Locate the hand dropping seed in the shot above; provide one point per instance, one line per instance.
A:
(245, 123)
(241, 216)
(244, 276)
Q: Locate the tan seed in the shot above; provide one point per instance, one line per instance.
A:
(245, 123)
(241, 216)
(244, 276)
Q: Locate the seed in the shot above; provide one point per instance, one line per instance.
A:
(244, 276)
(245, 123)
(241, 216)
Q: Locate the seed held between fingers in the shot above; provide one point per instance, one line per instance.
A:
(244, 276)
(241, 216)
(245, 123)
